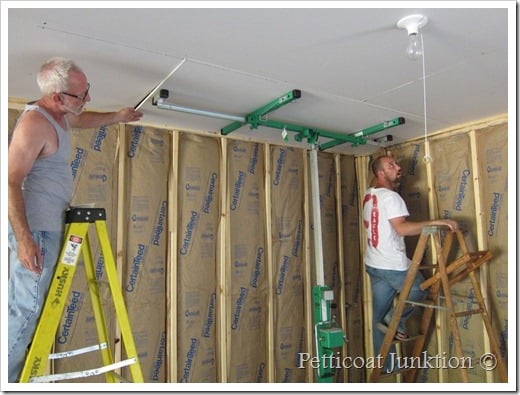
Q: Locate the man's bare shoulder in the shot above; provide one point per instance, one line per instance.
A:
(34, 132)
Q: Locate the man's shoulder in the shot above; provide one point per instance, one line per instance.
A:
(381, 191)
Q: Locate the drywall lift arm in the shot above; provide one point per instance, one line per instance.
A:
(257, 118)
(365, 132)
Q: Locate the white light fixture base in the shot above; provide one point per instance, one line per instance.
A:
(412, 23)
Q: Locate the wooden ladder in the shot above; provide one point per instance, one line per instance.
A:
(445, 275)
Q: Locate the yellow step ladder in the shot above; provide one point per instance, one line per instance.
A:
(76, 242)
(444, 276)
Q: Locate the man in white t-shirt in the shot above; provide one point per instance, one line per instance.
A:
(384, 219)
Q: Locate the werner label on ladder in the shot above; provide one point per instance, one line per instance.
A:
(76, 244)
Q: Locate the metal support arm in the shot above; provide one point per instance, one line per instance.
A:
(258, 118)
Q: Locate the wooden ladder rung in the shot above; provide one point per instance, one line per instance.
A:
(429, 304)
(468, 312)
(459, 262)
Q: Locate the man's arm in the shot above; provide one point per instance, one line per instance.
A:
(403, 227)
(92, 119)
(25, 147)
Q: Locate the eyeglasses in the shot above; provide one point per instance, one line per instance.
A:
(82, 98)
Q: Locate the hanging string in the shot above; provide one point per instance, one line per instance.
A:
(427, 158)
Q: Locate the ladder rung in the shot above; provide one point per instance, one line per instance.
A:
(426, 303)
(468, 312)
(82, 373)
(78, 351)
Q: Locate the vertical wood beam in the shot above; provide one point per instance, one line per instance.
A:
(223, 276)
(172, 264)
(121, 233)
(481, 239)
(362, 174)
(271, 375)
(341, 261)
(309, 338)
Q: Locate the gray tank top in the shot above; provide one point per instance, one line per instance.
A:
(47, 189)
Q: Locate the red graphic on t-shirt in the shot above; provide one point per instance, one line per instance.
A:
(374, 220)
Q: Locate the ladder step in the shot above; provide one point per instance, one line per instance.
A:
(78, 351)
(468, 312)
(82, 373)
(430, 304)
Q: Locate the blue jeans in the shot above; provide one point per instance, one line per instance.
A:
(27, 292)
(386, 284)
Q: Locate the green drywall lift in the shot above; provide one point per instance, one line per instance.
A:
(328, 336)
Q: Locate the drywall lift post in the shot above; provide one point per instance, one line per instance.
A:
(328, 336)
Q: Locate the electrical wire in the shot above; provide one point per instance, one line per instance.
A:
(427, 158)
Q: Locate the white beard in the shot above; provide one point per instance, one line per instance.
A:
(72, 111)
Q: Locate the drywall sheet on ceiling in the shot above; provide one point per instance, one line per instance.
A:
(493, 162)
(94, 169)
(287, 235)
(147, 163)
(353, 267)
(198, 225)
(454, 190)
(248, 285)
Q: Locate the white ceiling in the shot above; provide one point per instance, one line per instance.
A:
(349, 62)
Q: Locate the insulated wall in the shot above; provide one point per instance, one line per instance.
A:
(353, 267)
(493, 170)
(231, 222)
(288, 222)
(198, 223)
(145, 207)
(453, 181)
(248, 285)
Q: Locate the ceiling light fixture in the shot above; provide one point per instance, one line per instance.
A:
(414, 50)
(412, 24)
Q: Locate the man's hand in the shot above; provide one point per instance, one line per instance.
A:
(30, 255)
(453, 225)
(128, 114)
